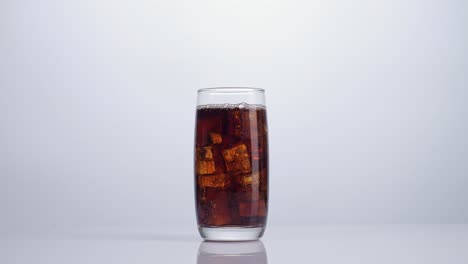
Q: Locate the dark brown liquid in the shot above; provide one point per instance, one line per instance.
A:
(231, 165)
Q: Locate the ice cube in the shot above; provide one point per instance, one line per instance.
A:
(237, 159)
(206, 123)
(215, 138)
(206, 153)
(205, 167)
(214, 181)
(253, 208)
(249, 187)
(249, 179)
(204, 161)
(249, 193)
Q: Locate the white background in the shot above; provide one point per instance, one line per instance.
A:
(366, 105)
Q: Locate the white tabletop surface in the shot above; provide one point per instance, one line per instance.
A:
(307, 244)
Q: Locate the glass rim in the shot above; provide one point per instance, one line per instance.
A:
(231, 90)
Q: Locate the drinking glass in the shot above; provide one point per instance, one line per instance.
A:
(231, 163)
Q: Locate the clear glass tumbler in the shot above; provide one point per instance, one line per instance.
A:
(231, 163)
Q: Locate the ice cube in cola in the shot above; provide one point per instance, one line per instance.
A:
(231, 165)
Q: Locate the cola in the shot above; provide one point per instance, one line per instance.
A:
(231, 165)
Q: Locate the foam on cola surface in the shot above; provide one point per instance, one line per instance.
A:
(232, 106)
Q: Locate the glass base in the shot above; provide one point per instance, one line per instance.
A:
(231, 233)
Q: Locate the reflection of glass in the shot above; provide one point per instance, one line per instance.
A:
(233, 253)
(231, 163)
